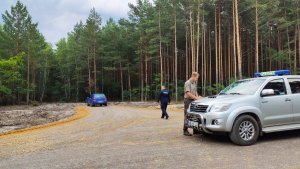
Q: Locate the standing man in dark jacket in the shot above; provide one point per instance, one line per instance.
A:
(164, 99)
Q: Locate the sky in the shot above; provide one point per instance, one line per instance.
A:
(57, 17)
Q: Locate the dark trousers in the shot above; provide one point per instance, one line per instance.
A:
(187, 103)
(163, 107)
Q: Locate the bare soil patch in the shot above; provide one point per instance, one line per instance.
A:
(19, 117)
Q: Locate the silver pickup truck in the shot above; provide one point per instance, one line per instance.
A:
(250, 107)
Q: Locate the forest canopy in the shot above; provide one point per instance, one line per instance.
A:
(161, 42)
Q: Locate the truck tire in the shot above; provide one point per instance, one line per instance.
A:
(245, 131)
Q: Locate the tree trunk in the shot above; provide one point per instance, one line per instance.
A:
(95, 70)
(102, 75)
(295, 50)
(238, 40)
(229, 48)
(204, 55)
(160, 49)
(129, 82)
(269, 59)
(279, 64)
(121, 76)
(210, 58)
(216, 48)
(262, 56)
(298, 36)
(220, 46)
(256, 38)
(77, 79)
(186, 54)
(141, 75)
(175, 52)
(289, 48)
(198, 38)
(146, 76)
(33, 82)
(234, 42)
(44, 81)
(28, 73)
(192, 42)
(89, 70)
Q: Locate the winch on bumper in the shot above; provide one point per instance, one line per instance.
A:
(208, 122)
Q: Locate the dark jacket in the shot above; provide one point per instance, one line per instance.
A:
(164, 97)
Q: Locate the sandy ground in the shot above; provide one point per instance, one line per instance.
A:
(120, 136)
(19, 117)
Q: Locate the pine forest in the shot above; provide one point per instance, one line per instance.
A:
(161, 42)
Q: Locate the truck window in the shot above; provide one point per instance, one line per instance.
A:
(295, 85)
(277, 85)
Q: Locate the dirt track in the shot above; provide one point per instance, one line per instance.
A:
(129, 137)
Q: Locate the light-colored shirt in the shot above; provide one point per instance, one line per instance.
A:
(190, 86)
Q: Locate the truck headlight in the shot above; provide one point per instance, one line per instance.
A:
(220, 107)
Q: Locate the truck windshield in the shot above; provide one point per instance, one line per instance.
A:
(243, 87)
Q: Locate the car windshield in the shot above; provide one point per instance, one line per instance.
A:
(243, 87)
(99, 96)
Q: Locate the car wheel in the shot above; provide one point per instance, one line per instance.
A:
(245, 131)
(105, 104)
(88, 104)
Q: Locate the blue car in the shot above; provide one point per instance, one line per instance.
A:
(97, 99)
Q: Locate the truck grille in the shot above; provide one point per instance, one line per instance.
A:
(198, 108)
(193, 117)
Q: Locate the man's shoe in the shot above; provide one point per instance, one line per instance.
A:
(167, 117)
(186, 133)
(162, 117)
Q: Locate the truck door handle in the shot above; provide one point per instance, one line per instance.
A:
(288, 100)
(264, 101)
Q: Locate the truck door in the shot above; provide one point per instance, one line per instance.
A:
(295, 97)
(277, 108)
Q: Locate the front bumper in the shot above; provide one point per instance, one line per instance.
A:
(209, 122)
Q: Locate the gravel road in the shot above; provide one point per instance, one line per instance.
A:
(118, 136)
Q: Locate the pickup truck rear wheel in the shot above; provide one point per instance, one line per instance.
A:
(245, 131)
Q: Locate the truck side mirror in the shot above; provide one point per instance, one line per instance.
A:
(267, 92)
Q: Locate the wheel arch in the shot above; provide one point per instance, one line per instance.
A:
(255, 116)
(253, 112)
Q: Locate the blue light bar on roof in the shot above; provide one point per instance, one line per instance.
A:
(272, 73)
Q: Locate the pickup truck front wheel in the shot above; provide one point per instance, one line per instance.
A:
(245, 131)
